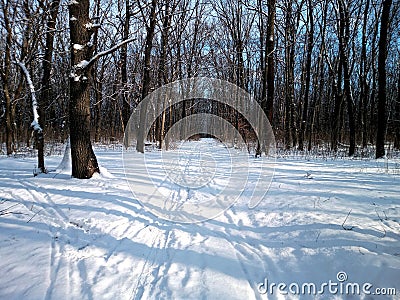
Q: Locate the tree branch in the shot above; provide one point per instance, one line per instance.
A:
(108, 51)
(35, 122)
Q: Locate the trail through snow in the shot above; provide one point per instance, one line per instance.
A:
(63, 238)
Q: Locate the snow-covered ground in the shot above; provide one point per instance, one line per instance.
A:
(329, 224)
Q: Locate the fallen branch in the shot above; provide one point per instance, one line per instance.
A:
(5, 211)
(34, 215)
(35, 122)
(347, 228)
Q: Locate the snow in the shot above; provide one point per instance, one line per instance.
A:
(78, 47)
(35, 123)
(82, 64)
(75, 77)
(72, 2)
(62, 237)
(90, 26)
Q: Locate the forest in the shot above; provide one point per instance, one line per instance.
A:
(325, 72)
(199, 149)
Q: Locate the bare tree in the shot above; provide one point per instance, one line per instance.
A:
(344, 35)
(45, 97)
(291, 23)
(310, 44)
(382, 118)
(150, 28)
(363, 78)
(397, 116)
(5, 74)
(84, 161)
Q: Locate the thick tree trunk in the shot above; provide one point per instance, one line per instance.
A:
(383, 39)
(84, 162)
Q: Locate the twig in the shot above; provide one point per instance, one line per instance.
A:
(319, 233)
(384, 230)
(34, 215)
(378, 215)
(4, 211)
(347, 228)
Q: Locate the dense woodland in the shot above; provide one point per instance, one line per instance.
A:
(325, 72)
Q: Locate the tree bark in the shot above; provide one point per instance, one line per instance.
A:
(126, 106)
(162, 69)
(363, 79)
(84, 161)
(97, 77)
(397, 117)
(146, 74)
(45, 96)
(344, 28)
(268, 62)
(310, 44)
(383, 40)
(5, 74)
(290, 127)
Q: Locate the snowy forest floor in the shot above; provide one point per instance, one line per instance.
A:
(333, 220)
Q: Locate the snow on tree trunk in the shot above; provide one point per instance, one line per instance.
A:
(35, 123)
(65, 164)
(84, 161)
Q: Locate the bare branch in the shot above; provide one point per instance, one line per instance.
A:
(106, 52)
(35, 122)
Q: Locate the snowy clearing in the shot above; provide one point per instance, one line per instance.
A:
(90, 239)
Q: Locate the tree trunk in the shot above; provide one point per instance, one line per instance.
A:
(97, 77)
(383, 40)
(397, 117)
(146, 75)
(268, 68)
(84, 162)
(162, 72)
(5, 74)
(45, 96)
(310, 45)
(363, 80)
(126, 106)
(270, 44)
(344, 28)
(290, 129)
